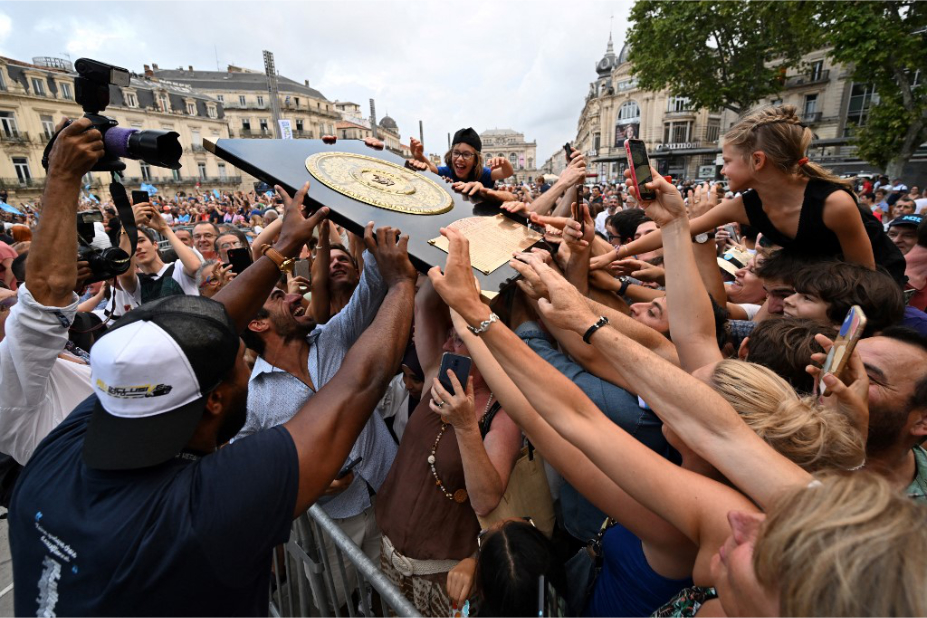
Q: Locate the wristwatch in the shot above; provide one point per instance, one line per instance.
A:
(285, 264)
(703, 238)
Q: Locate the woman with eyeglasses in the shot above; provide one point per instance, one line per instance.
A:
(464, 162)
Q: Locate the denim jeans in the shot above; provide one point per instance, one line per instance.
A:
(580, 518)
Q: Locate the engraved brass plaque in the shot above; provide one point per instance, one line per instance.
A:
(379, 183)
(493, 240)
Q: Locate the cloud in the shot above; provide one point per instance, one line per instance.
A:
(520, 65)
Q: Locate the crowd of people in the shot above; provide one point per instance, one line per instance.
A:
(645, 428)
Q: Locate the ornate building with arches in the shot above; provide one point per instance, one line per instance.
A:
(681, 141)
(512, 145)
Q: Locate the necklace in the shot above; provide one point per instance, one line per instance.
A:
(459, 496)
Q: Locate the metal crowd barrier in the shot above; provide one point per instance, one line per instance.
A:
(303, 582)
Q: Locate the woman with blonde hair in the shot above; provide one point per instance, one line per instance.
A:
(813, 436)
(641, 546)
(793, 202)
(836, 531)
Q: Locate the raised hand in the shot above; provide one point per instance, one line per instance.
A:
(849, 395)
(701, 200)
(530, 283)
(374, 143)
(468, 188)
(638, 269)
(77, 149)
(496, 162)
(514, 207)
(392, 255)
(420, 166)
(565, 307)
(578, 236)
(455, 284)
(668, 206)
(417, 149)
(296, 229)
(456, 409)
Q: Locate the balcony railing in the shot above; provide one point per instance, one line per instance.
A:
(252, 133)
(303, 134)
(221, 180)
(811, 118)
(807, 79)
(22, 183)
(679, 113)
(197, 148)
(14, 137)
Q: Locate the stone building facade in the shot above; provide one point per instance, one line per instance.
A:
(35, 96)
(685, 142)
(511, 145)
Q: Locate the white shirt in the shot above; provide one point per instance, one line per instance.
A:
(124, 301)
(37, 388)
(920, 205)
(600, 221)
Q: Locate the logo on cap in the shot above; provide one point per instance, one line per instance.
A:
(135, 392)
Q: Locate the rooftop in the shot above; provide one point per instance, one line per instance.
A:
(235, 80)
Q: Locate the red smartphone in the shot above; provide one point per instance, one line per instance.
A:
(850, 332)
(639, 163)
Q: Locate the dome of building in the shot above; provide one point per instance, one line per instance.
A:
(609, 61)
(389, 123)
(623, 56)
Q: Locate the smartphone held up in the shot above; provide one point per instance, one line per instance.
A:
(639, 163)
(850, 333)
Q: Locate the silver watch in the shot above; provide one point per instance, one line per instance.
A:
(701, 238)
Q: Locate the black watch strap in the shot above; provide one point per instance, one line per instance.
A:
(602, 321)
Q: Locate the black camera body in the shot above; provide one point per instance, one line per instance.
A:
(91, 91)
(104, 263)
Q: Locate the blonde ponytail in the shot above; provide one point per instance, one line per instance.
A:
(781, 135)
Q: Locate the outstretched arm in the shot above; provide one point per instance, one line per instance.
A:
(693, 503)
(52, 261)
(247, 292)
(694, 411)
(327, 426)
(568, 460)
(693, 329)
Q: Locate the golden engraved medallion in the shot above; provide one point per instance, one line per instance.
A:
(379, 183)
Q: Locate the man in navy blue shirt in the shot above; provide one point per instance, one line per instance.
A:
(129, 506)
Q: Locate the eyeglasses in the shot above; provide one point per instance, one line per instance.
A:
(493, 528)
(202, 236)
(466, 156)
(209, 282)
(231, 245)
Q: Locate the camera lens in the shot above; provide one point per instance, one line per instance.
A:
(161, 148)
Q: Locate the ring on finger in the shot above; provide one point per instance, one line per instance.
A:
(440, 404)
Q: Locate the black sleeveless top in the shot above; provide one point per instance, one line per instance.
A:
(814, 239)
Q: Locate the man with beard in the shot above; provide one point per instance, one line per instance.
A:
(296, 358)
(896, 363)
(129, 505)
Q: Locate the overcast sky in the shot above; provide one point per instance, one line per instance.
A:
(519, 65)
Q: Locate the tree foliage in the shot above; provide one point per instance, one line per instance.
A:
(718, 53)
(885, 43)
